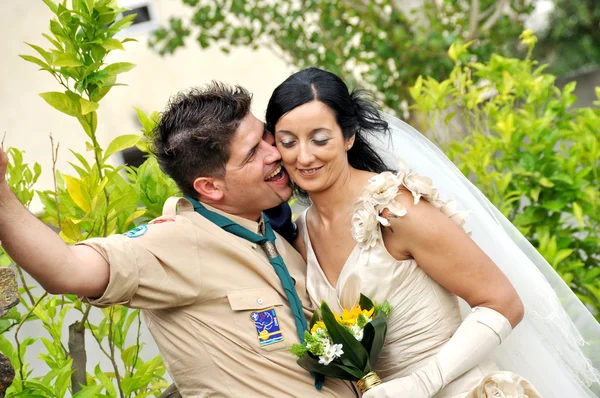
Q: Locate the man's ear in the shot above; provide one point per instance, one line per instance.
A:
(209, 188)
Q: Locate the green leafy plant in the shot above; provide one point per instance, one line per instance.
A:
(95, 199)
(381, 44)
(531, 154)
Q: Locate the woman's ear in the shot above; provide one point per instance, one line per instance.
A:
(209, 188)
(350, 142)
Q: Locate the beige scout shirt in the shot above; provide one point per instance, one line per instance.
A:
(198, 286)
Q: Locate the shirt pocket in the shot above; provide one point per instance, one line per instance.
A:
(259, 315)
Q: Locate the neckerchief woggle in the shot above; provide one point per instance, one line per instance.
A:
(267, 242)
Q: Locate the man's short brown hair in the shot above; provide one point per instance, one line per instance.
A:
(193, 137)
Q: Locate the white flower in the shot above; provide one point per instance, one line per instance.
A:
(325, 359)
(381, 189)
(420, 186)
(365, 229)
(331, 352)
(358, 332)
(380, 194)
(337, 350)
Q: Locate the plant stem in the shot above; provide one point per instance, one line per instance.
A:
(54, 159)
(81, 325)
(111, 345)
(19, 328)
(22, 277)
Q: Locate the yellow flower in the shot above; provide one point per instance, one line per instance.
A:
(317, 325)
(349, 318)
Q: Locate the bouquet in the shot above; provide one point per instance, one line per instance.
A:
(347, 346)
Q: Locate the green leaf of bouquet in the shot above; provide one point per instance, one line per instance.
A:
(315, 318)
(365, 302)
(354, 353)
(332, 370)
(374, 336)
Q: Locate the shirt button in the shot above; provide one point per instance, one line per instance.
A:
(260, 301)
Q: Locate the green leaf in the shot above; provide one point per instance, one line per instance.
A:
(105, 381)
(67, 60)
(546, 183)
(48, 57)
(88, 106)
(314, 319)
(354, 353)
(312, 364)
(365, 303)
(75, 190)
(51, 5)
(88, 392)
(62, 102)
(578, 212)
(374, 337)
(113, 44)
(36, 61)
(38, 386)
(119, 67)
(121, 142)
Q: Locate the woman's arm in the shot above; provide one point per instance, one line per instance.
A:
(449, 256)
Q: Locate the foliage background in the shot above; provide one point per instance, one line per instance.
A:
(518, 140)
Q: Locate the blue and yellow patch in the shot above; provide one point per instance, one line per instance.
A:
(137, 231)
(267, 327)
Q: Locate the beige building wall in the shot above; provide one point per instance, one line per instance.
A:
(27, 120)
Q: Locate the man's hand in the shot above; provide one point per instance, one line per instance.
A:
(42, 253)
(3, 165)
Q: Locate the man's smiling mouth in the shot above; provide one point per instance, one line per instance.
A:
(277, 174)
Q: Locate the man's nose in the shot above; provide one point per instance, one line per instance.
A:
(273, 154)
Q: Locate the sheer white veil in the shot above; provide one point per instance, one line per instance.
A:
(557, 345)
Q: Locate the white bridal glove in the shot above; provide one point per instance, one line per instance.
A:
(480, 332)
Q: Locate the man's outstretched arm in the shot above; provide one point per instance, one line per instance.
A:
(58, 267)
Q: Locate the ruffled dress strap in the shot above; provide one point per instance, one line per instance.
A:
(380, 194)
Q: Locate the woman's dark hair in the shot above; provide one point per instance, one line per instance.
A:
(354, 112)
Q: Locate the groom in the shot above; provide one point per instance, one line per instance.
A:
(209, 293)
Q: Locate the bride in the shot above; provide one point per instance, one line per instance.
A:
(388, 233)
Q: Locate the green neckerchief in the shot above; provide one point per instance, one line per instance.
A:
(267, 242)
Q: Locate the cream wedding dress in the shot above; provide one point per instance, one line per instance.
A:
(424, 314)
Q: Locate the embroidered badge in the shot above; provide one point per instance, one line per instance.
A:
(267, 326)
(137, 231)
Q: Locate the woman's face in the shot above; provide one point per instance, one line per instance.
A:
(312, 146)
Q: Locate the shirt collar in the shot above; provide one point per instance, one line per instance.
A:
(257, 227)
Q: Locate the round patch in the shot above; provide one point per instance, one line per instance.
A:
(137, 231)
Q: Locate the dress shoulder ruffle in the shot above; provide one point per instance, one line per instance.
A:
(380, 193)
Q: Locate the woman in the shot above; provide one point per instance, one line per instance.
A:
(392, 237)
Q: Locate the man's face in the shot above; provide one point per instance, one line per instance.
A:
(254, 179)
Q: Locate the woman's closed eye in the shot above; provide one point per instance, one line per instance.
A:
(287, 143)
(321, 142)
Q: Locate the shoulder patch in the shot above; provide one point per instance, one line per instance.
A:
(137, 231)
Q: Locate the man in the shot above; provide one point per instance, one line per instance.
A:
(211, 299)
